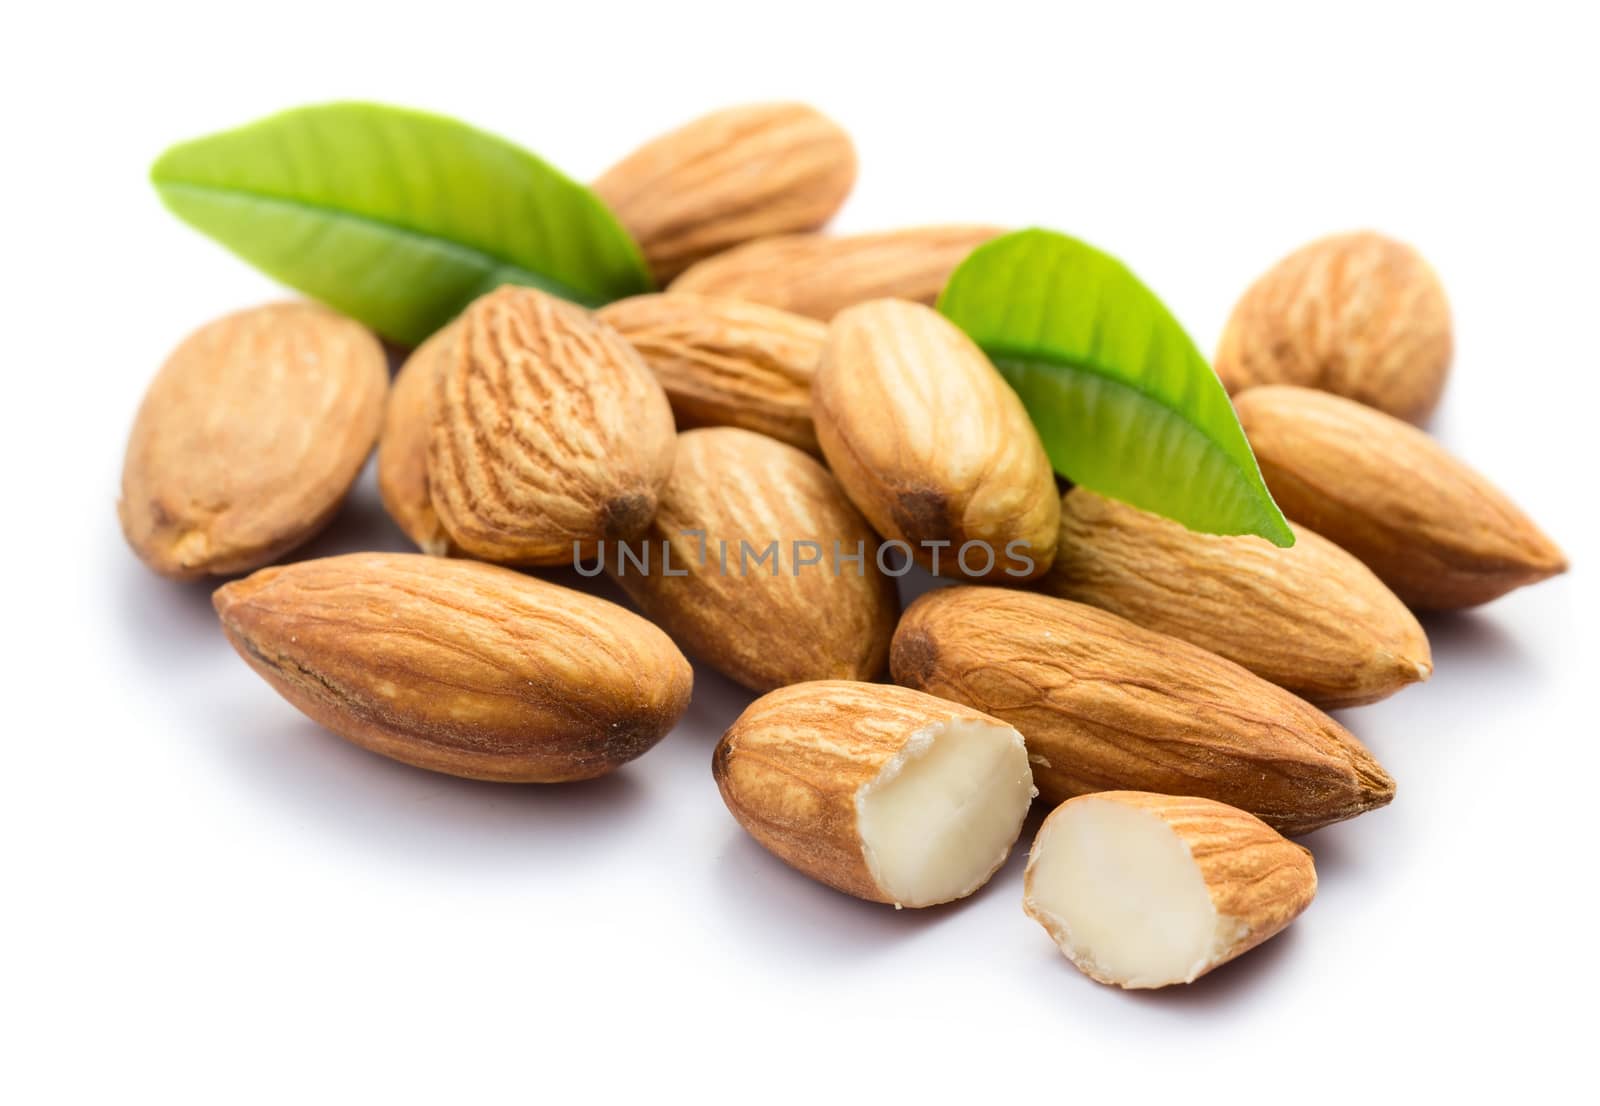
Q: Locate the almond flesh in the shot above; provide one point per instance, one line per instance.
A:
(1142, 890)
(249, 437)
(459, 667)
(1436, 532)
(403, 446)
(820, 276)
(1106, 705)
(725, 362)
(1310, 618)
(876, 791)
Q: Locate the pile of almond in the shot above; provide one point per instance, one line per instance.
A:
(739, 452)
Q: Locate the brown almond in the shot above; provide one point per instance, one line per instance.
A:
(249, 437)
(1358, 315)
(403, 446)
(549, 433)
(725, 362)
(725, 178)
(933, 445)
(1310, 618)
(459, 667)
(1106, 705)
(745, 565)
(1436, 532)
(819, 276)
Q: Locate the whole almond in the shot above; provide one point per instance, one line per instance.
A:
(740, 173)
(1143, 890)
(1359, 315)
(549, 433)
(801, 613)
(819, 276)
(459, 667)
(933, 445)
(1310, 618)
(403, 446)
(879, 792)
(725, 362)
(249, 437)
(1106, 705)
(1440, 535)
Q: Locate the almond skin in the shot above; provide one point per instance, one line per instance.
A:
(1310, 618)
(932, 444)
(1437, 533)
(724, 362)
(820, 276)
(1106, 705)
(403, 446)
(459, 667)
(549, 433)
(1359, 315)
(248, 439)
(725, 178)
(773, 624)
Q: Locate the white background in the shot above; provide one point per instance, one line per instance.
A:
(209, 899)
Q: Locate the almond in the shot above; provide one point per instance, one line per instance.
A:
(1143, 890)
(879, 792)
(1359, 315)
(249, 437)
(459, 667)
(403, 446)
(1441, 536)
(1310, 618)
(933, 445)
(1106, 705)
(740, 173)
(819, 276)
(724, 362)
(549, 434)
(800, 611)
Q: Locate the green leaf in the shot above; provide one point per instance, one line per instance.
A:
(395, 217)
(1124, 402)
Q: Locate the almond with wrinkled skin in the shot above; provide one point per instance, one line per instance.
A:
(763, 624)
(249, 438)
(932, 444)
(725, 178)
(725, 362)
(403, 446)
(876, 791)
(820, 276)
(1141, 890)
(1359, 315)
(1310, 618)
(1440, 535)
(549, 433)
(1106, 705)
(459, 667)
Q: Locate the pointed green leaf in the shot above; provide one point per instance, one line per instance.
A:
(395, 217)
(1124, 402)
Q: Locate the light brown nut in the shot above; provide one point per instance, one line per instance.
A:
(249, 437)
(933, 445)
(403, 446)
(1440, 535)
(740, 173)
(877, 791)
(1310, 618)
(459, 667)
(1143, 890)
(725, 362)
(1359, 315)
(549, 433)
(763, 620)
(819, 276)
(1106, 705)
